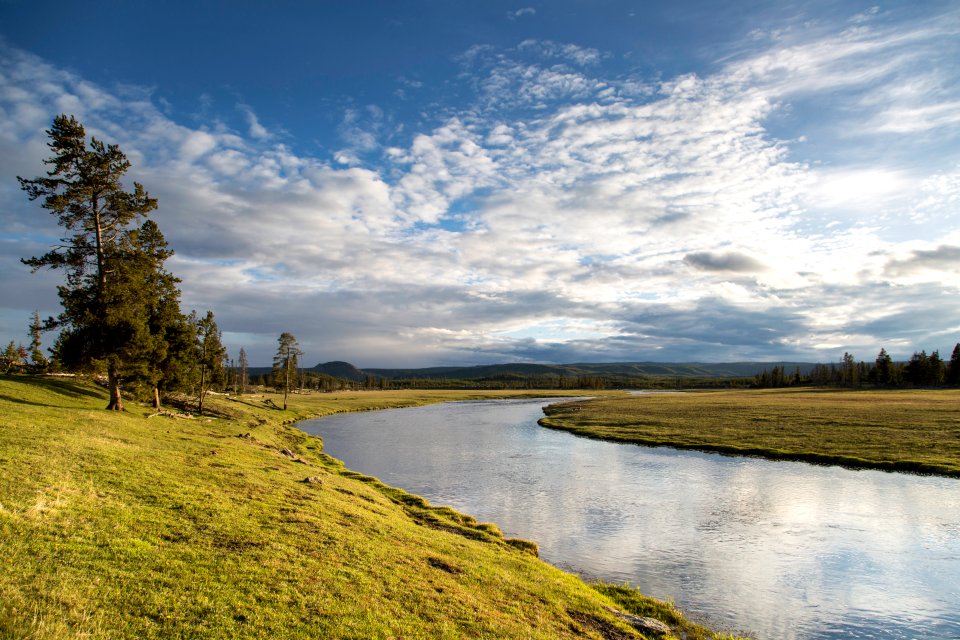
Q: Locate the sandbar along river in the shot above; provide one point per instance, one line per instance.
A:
(776, 550)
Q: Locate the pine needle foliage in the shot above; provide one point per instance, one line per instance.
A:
(119, 303)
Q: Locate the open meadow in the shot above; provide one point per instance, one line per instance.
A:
(903, 430)
(234, 525)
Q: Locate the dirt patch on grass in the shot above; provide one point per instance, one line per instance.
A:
(443, 565)
(584, 623)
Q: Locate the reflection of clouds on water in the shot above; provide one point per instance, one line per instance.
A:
(777, 549)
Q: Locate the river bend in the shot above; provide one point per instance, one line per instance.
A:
(777, 550)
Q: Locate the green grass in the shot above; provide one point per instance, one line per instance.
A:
(238, 526)
(916, 430)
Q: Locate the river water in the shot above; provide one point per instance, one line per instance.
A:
(776, 550)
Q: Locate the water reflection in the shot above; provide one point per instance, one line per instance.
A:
(776, 549)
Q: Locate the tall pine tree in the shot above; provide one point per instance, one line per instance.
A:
(102, 322)
(210, 353)
(953, 367)
(165, 354)
(285, 361)
(884, 368)
(37, 358)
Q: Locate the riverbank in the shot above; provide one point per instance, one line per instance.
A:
(238, 526)
(915, 431)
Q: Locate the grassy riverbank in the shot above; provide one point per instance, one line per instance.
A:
(238, 526)
(917, 430)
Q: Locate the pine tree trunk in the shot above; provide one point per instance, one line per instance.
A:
(113, 382)
(203, 391)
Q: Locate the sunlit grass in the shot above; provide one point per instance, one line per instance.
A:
(124, 525)
(915, 430)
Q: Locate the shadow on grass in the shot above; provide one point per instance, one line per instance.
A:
(267, 403)
(188, 404)
(70, 388)
(6, 398)
(66, 388)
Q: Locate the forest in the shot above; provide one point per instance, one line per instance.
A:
(920, 371)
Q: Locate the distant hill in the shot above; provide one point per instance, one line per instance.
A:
(473, 372)
(340, 369)
(652, 369)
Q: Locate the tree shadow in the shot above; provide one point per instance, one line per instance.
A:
(67, 388)
(70, 388)
(7, 398)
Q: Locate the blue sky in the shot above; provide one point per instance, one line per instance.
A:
(427, 183)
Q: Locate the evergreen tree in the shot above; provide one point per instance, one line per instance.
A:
(180, 368)
(884, 368)
(210, 352)
(285, 361)
(849, 373)
(822, 375)
(863, 373)
(936, 369)
(99, 324)
(777, 378)
(916, 371)
(39, 361)
(762, 379)
(163, 352)
(896, 374)
(953, 367)
(10, 359)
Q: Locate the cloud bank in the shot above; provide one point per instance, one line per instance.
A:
(562, 214)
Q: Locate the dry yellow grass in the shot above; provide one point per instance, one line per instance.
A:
(916, 430)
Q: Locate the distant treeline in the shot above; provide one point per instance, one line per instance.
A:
(921, 370)
(322, 382)
(309, 380)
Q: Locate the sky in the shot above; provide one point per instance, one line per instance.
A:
(420, 183)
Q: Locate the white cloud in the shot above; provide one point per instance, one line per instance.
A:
(255, 130)
(897, 79)
(520, 84)
(941, 196)
(915, 119)
(868, 189)
(196, 144)
(228, 162)
(519, 13)
(582, 56)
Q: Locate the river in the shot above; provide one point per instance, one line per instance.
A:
(772, 549)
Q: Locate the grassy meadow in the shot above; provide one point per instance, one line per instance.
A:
(237, 525)
(902, 430)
